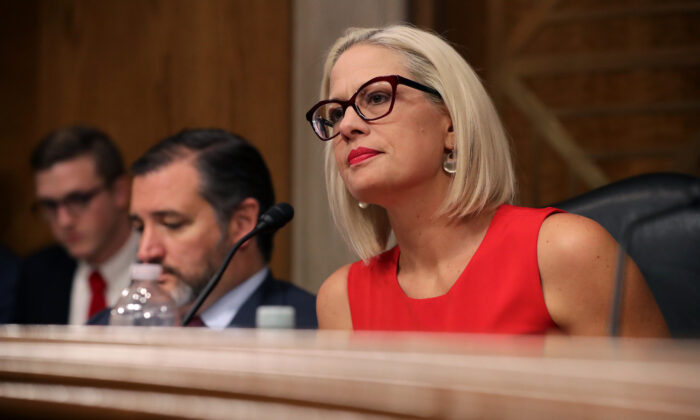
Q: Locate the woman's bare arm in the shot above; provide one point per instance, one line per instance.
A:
(332, 305)
(577, 259)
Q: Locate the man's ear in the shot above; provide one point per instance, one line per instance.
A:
(121, 190)
(243, 220)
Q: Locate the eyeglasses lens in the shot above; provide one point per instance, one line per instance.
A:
(74, 203)
(374, 101)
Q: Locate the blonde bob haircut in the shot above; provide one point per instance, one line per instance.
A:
(484, 178)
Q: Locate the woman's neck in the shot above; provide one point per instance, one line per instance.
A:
(428, 239)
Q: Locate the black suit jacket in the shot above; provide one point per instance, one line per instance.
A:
(9, 271)
(270, 292)
(44, 287)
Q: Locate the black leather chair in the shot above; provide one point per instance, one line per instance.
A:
(656, 218)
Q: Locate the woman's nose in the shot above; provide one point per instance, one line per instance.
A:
(352, 124)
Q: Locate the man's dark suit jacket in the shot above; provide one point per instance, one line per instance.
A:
(9, 271)
(44, 287)
(270, 292)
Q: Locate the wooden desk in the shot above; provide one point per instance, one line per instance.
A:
(109, 372)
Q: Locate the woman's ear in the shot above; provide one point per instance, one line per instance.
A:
(449, 135)
(243, 220)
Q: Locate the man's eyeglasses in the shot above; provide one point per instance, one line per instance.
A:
(74, 203)
(372, 101)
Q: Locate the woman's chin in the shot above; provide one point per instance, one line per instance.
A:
(366, 188)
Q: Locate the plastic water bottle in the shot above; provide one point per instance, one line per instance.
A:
(144, 303)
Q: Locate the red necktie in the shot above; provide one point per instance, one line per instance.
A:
(196, 322)
(97, 287)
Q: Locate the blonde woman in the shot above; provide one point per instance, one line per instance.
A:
(414, 146)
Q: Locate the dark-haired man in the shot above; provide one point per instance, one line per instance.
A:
(83, 194)
(193, 196)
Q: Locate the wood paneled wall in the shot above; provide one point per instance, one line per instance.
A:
(140, 70)
(590, 91)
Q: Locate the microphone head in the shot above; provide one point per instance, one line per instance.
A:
(275, 217)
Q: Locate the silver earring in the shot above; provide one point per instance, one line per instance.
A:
(362, 205)
(449, 163)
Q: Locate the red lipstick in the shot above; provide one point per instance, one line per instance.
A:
(360, 154)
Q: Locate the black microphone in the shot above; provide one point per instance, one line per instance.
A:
(274, 218)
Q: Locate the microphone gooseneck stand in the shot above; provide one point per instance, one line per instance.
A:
(274, 218)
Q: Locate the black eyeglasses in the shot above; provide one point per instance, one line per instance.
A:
(74, 203)
(372, 101)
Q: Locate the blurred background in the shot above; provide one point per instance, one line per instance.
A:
(590, 91)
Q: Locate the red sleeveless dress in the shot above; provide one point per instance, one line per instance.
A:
(498, 292)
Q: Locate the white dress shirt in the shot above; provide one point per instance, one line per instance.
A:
(219, 315)
(115, 271)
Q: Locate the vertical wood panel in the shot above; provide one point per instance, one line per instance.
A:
(318, 249)
(142, 70)
(18, 46)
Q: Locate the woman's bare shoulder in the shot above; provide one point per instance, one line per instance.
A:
(332, 305)
(567, 232)
(577, 258)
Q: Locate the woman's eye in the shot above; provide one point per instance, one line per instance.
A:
(377, 98)
(335, 115)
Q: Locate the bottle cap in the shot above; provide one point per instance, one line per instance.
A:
(146, 271)
(275, 317)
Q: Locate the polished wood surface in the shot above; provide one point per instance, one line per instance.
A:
(82, 372)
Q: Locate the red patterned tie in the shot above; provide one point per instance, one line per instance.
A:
(97, 287)
(196, 322)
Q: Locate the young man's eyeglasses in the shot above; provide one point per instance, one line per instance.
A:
(74, 203)
(372, 101)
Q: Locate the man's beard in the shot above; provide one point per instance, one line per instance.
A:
(182, 294)
(186, 290)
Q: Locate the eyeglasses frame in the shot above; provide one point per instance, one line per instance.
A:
(49, 208)
(394, 80)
